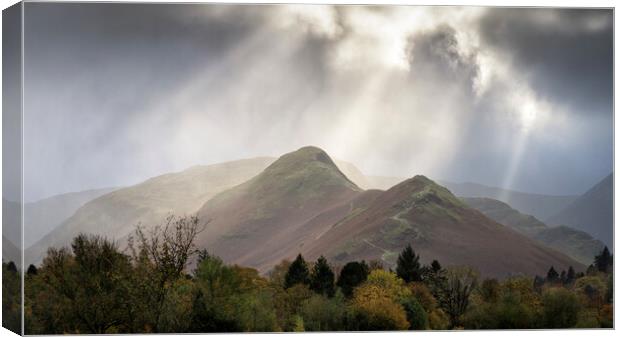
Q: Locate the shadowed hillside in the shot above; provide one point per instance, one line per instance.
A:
(574, 243)
(593, 212)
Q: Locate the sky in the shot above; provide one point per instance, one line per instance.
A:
(515, 98)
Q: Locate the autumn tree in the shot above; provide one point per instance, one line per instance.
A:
(453, 294)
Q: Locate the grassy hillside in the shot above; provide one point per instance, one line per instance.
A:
(574, 243)
(439, 226)
(116, 214)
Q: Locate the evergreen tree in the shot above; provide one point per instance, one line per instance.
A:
(32, 270)
(322, 278)
(435, 266)
(297, 273)
(408, 265)
(11, 267)
(603, 261)
(552, 275)
(563, 277)
(570, 275)
(352, 275)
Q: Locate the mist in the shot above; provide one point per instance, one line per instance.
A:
(515, 98)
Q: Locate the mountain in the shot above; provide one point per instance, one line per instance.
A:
(262, 220)
(10, 252)
(540, 205)
(41, 217)
(593, 212)
(116, 214)
(575, 243)
(439, 226)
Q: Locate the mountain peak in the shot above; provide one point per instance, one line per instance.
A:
(423, 190)
(308, 164)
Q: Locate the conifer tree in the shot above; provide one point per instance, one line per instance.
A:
(552, 275)
(570, 275)
(408, 265)
(32, 270)
(322, 278)
(297, 273)
(603, 261)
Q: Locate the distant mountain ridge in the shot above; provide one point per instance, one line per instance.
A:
(572, 242)
(592, 212)
(540, 205)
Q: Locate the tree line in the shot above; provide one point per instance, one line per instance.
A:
(163, 283)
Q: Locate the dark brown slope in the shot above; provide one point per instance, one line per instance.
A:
(264, 219)
(439, 226)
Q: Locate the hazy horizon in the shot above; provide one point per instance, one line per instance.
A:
(514, 98)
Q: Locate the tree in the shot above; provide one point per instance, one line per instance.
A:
(32, 270)
(552, 275)
(297, 273)
(453, 294)
(163, 253)
(604, 261)
(408, 265)
(352, 275)
(435, 266)
(322, 278)
(417, 317)
(570, 276)
(490, 290)
(560, 309)
(324, 314)
(11, 267)
(373, 308)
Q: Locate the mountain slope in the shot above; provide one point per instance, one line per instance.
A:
(575, 243)
(116, 214)
(540, 205)
(259, 222)
(41, 217)
(593, 212)
(439, 226)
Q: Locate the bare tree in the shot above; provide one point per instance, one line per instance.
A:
(166, 249)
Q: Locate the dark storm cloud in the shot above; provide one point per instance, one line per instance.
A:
(117, 93)
(567, 53)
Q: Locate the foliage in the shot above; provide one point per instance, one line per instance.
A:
(324, 314)
(95, 288)
(322, 278)
(11, 295)
(297, 273)
(561, 308)
(374, 308)
(604, 261)
(453, 294)
(417, 317)
(352, 275)
(408, 265)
